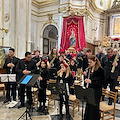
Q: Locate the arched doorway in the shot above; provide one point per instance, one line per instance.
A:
(50, 38)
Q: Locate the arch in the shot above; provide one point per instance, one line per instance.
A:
(49, 38)
(45, 25)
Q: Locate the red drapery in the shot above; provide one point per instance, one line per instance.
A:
(75, 25)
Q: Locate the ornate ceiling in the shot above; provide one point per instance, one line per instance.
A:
(104, 4)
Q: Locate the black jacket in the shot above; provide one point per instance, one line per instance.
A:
(97, 78)
(31, 66)
(85, 63)
(68, 80)
(100, 57)
(44, 73)
(14, 60)
(55, 62)
(37, 59)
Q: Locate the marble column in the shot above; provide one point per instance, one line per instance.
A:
(60, 30)
(23, 28)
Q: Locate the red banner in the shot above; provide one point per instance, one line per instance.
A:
(73, 34)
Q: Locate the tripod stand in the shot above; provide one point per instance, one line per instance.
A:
(26, 113)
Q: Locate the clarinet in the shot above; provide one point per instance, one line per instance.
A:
(11, 67)
(88, 77)
(38, 82)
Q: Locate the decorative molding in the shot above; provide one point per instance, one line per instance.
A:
(44, 3)
(42, 15)
(44, 11)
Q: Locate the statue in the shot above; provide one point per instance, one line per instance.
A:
(106, 41)
(72, 39)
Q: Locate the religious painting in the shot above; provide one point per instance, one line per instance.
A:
(72, 39)
(116, 26)
(73, 34)
(3, 54)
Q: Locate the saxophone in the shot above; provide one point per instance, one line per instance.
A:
(51, 62)
(115, 60)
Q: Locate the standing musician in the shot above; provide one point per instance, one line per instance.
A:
(65, 76)
(37, 57)
(9, 65)
(24, 67)
(68, 55)
(100, 55)
(79, 58)
(94, 79)
(110, 78)
(85, 59)
(53, 58)
(44, 76)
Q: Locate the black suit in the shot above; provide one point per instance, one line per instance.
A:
(100, 57)
(37, 59)
(30, 66)
(97, 78)
(8, 60)
(110, 77)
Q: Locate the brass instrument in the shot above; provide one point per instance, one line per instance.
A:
(115, 60)
(51, 62)
(37, 64)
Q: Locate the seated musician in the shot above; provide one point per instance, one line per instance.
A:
(73, 67)
(94, 79)
(44, 76)
(65, 76)
(53, 58)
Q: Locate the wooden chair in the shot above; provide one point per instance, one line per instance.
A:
(117, 88)
(50, 97)
(2, 89)
(74, 102)
(107, 110)
(35, 96)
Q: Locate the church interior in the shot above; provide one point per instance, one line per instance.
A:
(42, 25)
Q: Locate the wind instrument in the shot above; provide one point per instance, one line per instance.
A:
(115, 60)
(88, 77)
(11, 68)
(37, 64)
(51, 62)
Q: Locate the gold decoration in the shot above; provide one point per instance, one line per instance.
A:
(106, 41)
(72, 11)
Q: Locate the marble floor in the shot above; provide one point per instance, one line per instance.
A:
(15, 113)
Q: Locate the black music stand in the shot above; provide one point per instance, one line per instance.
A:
(58, 88)
(52, 73)
(86, 95)
(28, 80)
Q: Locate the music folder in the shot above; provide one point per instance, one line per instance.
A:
(29, 80)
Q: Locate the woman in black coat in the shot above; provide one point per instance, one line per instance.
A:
(94, 79)
(44, 76)
(65, 76)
